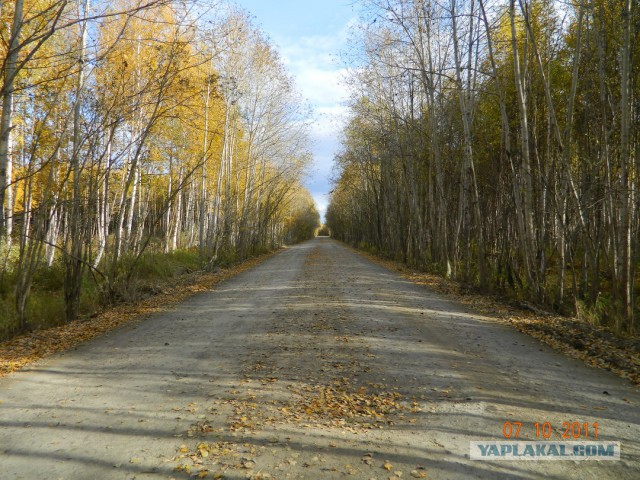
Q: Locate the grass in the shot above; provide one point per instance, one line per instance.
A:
(152, 266)
(135, 279)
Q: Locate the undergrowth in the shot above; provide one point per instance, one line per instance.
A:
(133, 279)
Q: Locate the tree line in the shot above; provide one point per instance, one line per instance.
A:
(496, 142)
(136, 126)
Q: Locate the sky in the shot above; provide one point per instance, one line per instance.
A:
(309, 34)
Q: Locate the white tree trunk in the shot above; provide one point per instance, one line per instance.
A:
(6, 127)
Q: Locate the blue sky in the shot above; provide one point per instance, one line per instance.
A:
(310, 35)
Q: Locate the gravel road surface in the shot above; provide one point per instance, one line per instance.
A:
(316, 364)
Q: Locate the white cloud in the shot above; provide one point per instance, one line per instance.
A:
(319, 86)
(313, 61)
(322, 202)
(329, 122)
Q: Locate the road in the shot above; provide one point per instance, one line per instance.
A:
(316, 364)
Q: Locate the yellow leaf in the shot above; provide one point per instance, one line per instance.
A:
(387, 466)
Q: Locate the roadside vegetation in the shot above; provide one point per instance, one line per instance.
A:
(139, 141)
(496, 143)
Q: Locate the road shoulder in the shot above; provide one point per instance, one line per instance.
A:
(30, 347)
(595, 346)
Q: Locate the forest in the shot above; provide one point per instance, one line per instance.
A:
(496, 142)
(139, 138)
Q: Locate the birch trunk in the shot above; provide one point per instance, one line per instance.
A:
(76, 239)
(625, 234)
(6, 127)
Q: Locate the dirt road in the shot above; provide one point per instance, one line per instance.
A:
(316, 364)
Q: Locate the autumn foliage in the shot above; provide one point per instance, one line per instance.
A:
(494, 142)
(130, 128)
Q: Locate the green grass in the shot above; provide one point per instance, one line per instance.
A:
(160, 266)
(8, 318)
(135, 279)
(45, 309)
